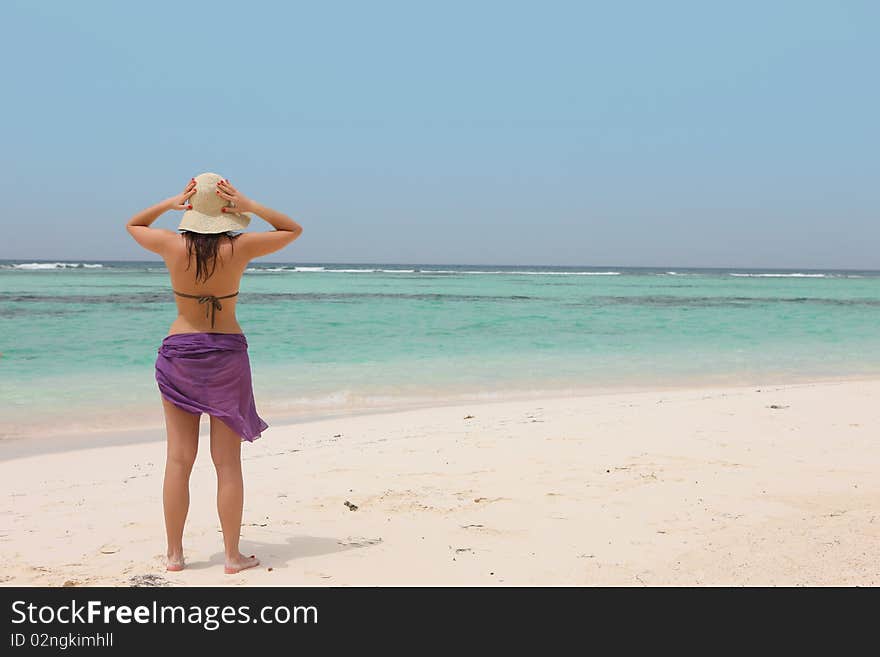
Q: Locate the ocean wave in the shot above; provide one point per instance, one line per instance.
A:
(257, 270)
(324, 270)
(572, 273)
(793, 275)
(52, 265)
(520, 271)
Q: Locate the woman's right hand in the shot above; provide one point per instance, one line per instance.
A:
(240, 202)
(180, 201)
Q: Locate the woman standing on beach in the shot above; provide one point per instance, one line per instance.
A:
(202, 365)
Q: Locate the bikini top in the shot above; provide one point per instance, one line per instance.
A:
(212, 301)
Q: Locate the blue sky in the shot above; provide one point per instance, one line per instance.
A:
(628, 133)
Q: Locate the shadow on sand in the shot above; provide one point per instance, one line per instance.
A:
(278, 555)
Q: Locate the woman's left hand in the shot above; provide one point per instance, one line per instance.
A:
(238, 202)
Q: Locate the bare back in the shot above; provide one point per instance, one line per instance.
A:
(195, 317)
(208, 311)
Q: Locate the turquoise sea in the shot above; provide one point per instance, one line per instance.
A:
(79, 339)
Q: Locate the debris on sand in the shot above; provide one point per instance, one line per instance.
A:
(777, 407)
(351, 507)
(148, 580)
(468, 417)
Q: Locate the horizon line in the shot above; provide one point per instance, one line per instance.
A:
(450, 264)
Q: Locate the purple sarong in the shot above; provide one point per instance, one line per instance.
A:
(210, 373)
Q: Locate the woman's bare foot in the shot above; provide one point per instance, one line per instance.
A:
(240, 563)
(174, 561)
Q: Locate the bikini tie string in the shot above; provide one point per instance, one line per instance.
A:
(214, 307)
(212, 300)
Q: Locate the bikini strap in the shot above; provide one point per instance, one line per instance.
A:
(210, 299)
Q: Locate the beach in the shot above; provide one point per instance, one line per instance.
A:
(704, 485)
(529, 294)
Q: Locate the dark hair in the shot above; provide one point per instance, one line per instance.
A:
(206, 249)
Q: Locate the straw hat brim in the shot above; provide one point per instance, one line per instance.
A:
(199, 222)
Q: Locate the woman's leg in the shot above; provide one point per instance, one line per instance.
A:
(183, 444)
(226, 454)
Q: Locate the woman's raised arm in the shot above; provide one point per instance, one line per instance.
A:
(155, 239)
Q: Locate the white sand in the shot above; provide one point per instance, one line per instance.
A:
(705, 486)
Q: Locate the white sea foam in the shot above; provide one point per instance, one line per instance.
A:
(288, 269)
(793, 275)
(565, 273)
(53, 265)
(324, 270)
(515, 271)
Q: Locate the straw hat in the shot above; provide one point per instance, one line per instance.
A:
(207, 214)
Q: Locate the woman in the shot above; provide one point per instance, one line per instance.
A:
(202, 365)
